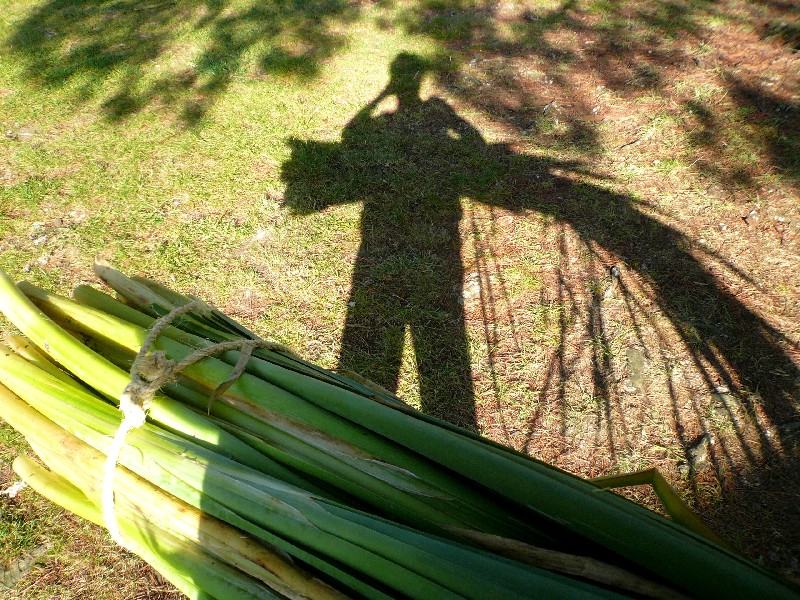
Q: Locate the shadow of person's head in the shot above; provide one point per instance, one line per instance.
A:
(405, 77)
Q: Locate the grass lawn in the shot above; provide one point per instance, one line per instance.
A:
(571, 226)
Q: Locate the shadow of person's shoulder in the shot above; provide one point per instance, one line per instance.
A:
(438, 103)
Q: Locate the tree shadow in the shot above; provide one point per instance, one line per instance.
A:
(413, 162)
(547, 72)
(174, 53)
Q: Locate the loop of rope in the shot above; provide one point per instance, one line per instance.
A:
(150, 372)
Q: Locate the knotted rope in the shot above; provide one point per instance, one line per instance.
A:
(150, 372)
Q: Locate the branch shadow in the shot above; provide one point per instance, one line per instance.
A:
(547, 71)
(183, 55)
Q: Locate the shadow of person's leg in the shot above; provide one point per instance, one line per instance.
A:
(372, 339)
(443, 361)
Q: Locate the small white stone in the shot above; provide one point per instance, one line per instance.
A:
(14, 489)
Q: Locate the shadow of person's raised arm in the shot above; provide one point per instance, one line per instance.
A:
(315, 177)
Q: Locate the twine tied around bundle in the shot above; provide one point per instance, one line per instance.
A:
(149, 373)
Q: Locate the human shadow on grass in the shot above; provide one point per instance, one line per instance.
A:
(175, 53)
(410, 167)
(411, 161)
